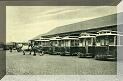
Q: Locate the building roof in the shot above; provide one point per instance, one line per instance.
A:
(104, 21)
(100, 22)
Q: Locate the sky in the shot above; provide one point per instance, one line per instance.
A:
(25, 22)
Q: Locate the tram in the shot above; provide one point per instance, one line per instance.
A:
(86, 46)
(55, 45)
(43, 45)
(69, 45)
(106, 45)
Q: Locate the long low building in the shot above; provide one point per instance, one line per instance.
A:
(108, 22)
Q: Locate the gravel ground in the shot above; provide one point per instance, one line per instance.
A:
(19, 64)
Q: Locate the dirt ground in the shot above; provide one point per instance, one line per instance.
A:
(19, 64)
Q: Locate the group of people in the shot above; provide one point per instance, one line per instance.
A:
(30, 47)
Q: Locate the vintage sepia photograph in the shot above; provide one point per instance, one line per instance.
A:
(61, 40)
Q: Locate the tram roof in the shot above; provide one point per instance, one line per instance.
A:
(70, 38)
(106, 31)
(42, 39)
(87, 36)
(38, 40)
(107, 35)
(56, 38)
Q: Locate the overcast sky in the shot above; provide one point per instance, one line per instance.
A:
(26, 22)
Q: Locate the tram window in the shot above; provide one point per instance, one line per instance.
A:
(42, 43)
(82, 42)
(102, 42)
(62, 43)
(89, 41)
(98, 41)
(72, 42)
(48, 43)
(114, 32)
(67, 43)
(101, 32)
(76, 43)
(55, 42)
(111, 40)
(51, 43)
(108, 32)
(59, 43)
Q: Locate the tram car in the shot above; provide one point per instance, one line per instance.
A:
(86, 46)
(45, 45)
(106, 45)
(38, 45)
(69, 45)
(55, 45)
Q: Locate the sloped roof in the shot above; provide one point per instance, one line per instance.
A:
(99, 22)
(104, 21)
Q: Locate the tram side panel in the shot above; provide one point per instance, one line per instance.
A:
(112, 52)
(65, 51)
(87, 51)
(91, 51)
(106, 52)
(100, 52)
(73, 50)
(69, 51)
(46, 49)
(81, 52)
(55, 50)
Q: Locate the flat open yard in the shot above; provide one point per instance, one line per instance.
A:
(17, 63)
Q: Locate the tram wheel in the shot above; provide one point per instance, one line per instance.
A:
(96, 57)
(62, 54)
(34, 54)
(81, 55)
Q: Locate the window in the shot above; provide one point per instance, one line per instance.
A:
(102, 42)
(111, 40)
(67, 43)
(72, 42)
(82, 42)
(76, 43)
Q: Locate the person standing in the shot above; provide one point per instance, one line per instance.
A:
(10, 48)
(34, 50)
(19, 47)
(30, 48)
(23, 49)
